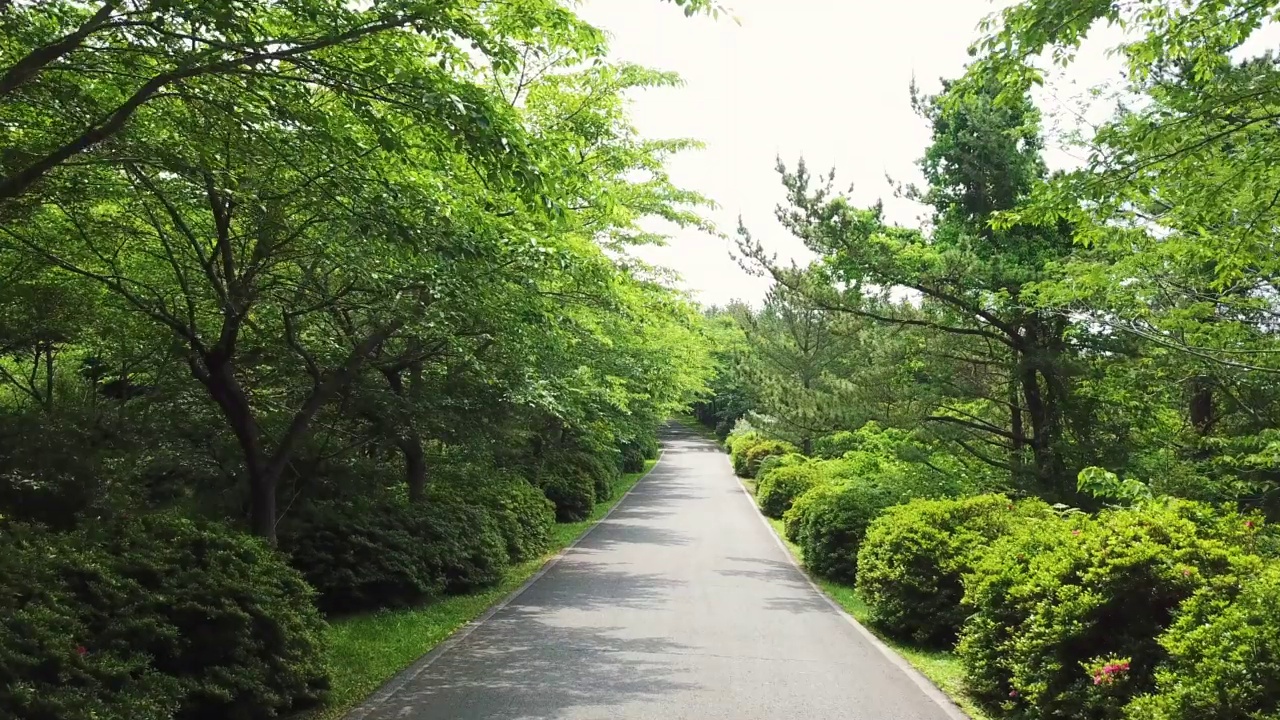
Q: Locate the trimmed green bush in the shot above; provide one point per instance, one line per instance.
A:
(635, 452)
(757, 452)
(633, 458)
(154, 617)
(464, 544)
(58, 659)
(780, 486)
(738, 444)
(360, 556)
(572, 491)
(524, 515)
(837, 444)
(774, 462)
(1224, 652)
(830, 520)
(914, 557)
(1068, 612)
(368, 555)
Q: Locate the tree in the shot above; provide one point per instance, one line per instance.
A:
(799, 355)
(970, 277)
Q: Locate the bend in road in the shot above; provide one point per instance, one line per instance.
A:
(680, 605)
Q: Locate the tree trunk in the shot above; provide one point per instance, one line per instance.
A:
(1201, 405)
(1018, 441)
(406, 438)
(218, 376)
(415, 464)
(1043, 406)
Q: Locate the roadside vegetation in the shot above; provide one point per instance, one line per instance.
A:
(1032, 444)
(320, 328)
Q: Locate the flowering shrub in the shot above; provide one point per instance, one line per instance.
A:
(1224, 652)
(1068, 612)
(914, 556)
(154, 617)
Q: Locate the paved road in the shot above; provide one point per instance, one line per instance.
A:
(681, 605)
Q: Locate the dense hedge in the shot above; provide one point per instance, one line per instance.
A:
(1224, 652)
(829, 522)
(779, 486)
(1068, 612)
(756, 453)
(634, 453)
(153, 617)
(523, 514)
(914, 557)
(361, 556)
(774, 462)
(374, 554)
(571, 491)
(738, 443)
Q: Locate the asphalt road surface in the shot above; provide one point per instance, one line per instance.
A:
(680, 605)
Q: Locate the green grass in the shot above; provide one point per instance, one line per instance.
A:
(367, 650)
(942, 667)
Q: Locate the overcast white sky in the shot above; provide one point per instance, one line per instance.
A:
(823, 79)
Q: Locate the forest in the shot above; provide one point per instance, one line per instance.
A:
(307, 309)
(1038, 432)
(315, 311)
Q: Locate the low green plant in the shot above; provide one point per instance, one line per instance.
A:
(361, 555)
(830, 520)
(773, 462)
(1068, 612)
(757, 452)
(913, 559)
(154, 617)
(572, 491)
(1223, 652)
(778, 488)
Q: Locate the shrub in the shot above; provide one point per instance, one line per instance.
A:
(829, 521)
(361, 556)
(635, 452)
(155, 617)
(779, 487)
(757, 452)
(464, 544)
(633, 458)
(57, 596)
(774, 462)
(914, 556)
(372, 554)
(1224, 652)
(523, 514)
(738, 444)
(572, 491)
(1068, 612)
(836, 444)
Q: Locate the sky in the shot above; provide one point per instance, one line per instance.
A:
(827, 80)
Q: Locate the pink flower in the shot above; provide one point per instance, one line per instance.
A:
(1248, 524)
(1075, 532)
(1013, 693)
(82, 650)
